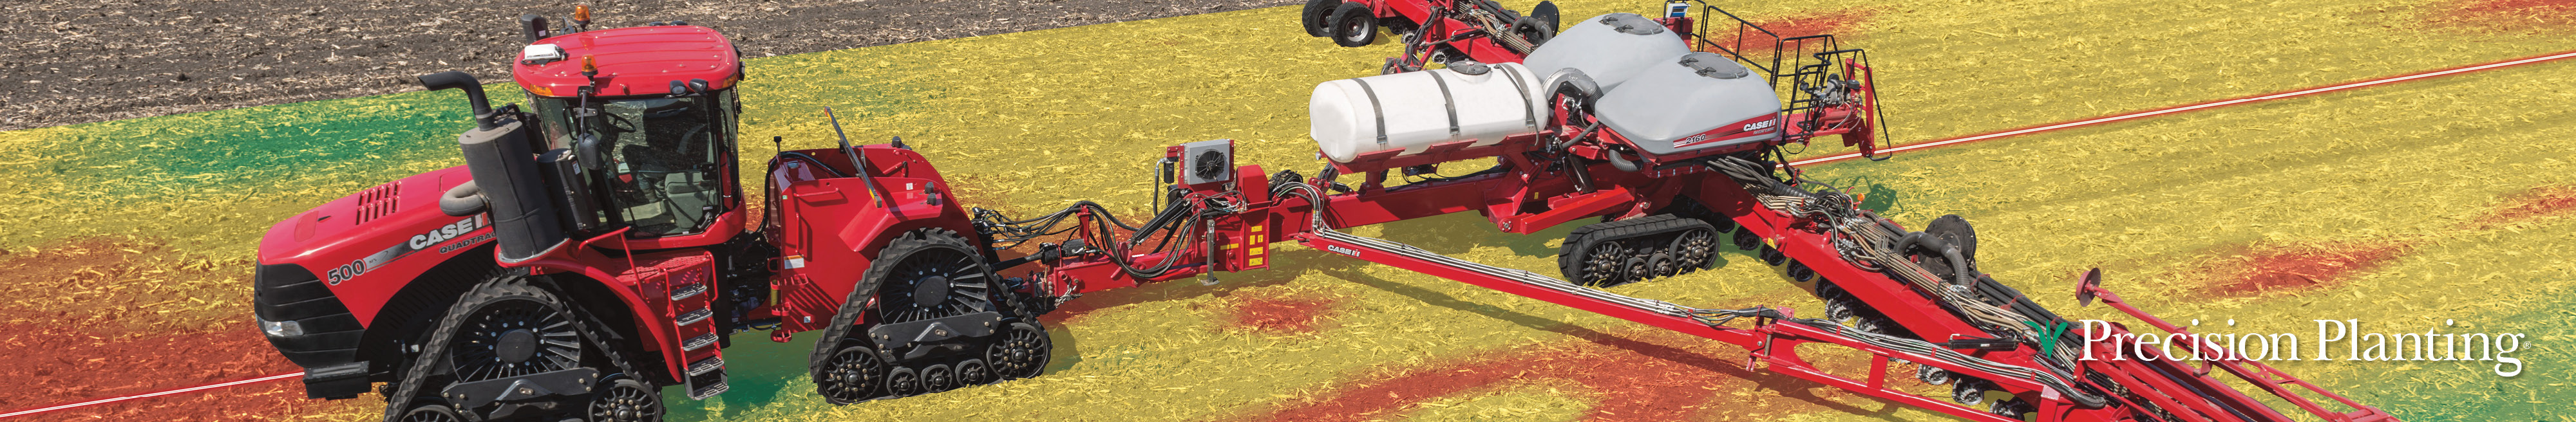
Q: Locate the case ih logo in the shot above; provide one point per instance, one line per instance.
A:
(450, 231)
(418, 243)
(1753, 128)
(1342, 250)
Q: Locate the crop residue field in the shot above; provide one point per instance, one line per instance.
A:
(128, 244)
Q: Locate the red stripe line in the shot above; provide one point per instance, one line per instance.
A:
(2201, 106)
(149, 395)
(1847, 156)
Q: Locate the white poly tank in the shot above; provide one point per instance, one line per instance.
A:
(1609, 48)
(1414, 110)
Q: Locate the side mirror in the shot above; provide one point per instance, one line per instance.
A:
(588, 149)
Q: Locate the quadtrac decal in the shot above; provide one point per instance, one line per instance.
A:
(417, 243)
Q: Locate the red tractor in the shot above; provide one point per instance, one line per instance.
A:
(594, 249)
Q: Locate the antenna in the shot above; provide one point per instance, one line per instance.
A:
(857, 162)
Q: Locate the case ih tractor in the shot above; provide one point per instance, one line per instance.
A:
(593, 249)
(596, 246)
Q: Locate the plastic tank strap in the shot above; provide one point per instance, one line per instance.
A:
(1447, 100)
(1375, 107)
(1529, 112)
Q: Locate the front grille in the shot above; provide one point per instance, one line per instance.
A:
(288, 292)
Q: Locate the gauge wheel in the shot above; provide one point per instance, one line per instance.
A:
(1354, 25)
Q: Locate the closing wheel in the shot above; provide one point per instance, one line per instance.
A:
(855, 374)
(1314, 15)
(1932, 375)
(626, 400)
(1970, 391)
(2013, 408)
(1354, 25)
(1799, 272)
(432, 413)
(1022, 353)
(1772, 256)
(903, 382)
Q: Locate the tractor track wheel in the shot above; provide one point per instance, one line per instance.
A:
(432, 413)
(1315, 15)
(903, 382)
(1353, 25)
(1603, 264)
(504, 347)
(1637, 267)
(921, 274)
(1663, 264)
(1022, 352)
(1695, 250)
(975, 372)
(938, 377)
(856, 374)
(626, 400)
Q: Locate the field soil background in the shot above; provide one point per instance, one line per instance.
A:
(76, 61)
(126, 245)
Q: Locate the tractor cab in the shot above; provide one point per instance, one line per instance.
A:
(649, 115)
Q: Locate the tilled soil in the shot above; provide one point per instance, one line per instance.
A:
(79, 61)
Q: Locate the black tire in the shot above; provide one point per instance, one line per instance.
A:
(627, 400)
(1353, 25)
(1315, 14)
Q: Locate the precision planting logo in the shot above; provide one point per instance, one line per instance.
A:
(2429, 345)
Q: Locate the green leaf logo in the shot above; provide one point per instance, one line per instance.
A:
(2048, 335)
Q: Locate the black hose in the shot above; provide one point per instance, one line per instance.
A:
(1619, 161)
(1959, 273)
